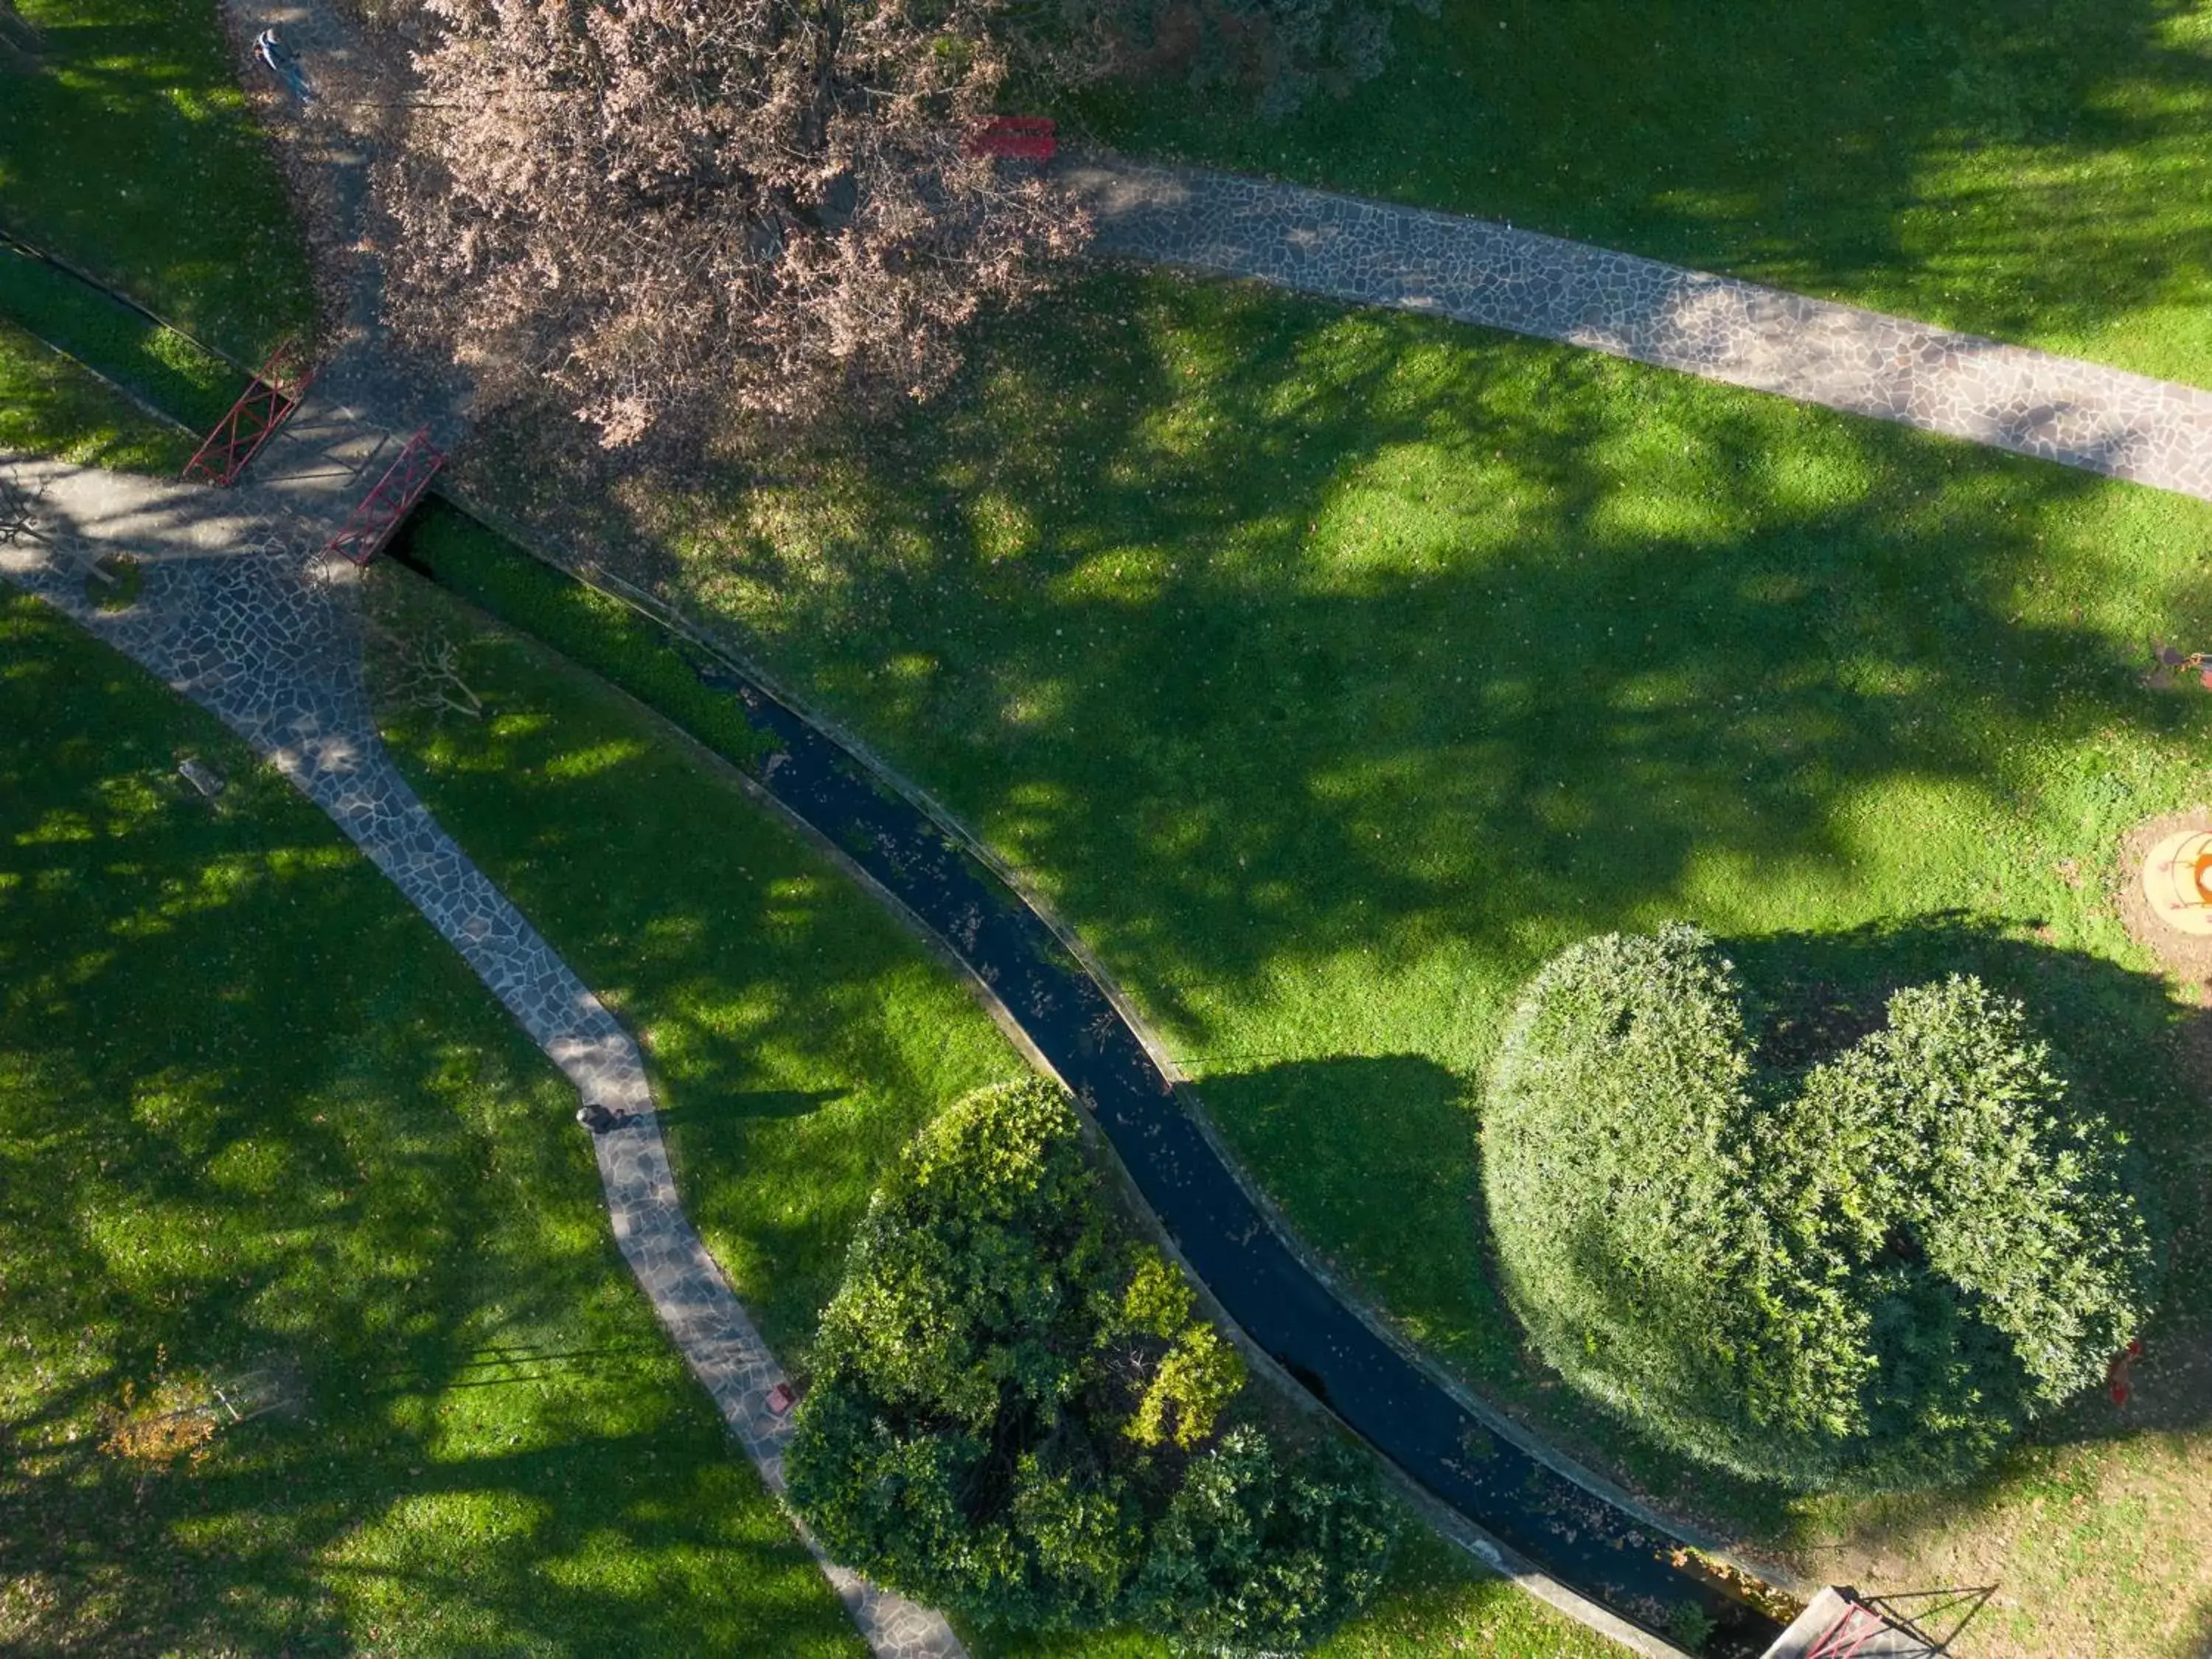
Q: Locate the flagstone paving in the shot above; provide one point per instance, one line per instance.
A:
(240, 612)
(2056, 409)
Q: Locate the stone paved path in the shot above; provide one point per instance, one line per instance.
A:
(2056, 409)
(238, 615)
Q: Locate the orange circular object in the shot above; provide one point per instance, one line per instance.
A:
(2177, 882)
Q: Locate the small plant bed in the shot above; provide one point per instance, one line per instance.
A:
(113, 583)
(50, 405)
(797, 1038)
(1329, 671)
(2031, 172)
(127, 147)
(307, 1273)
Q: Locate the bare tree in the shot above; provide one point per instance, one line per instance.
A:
(22, 509)
(422, 671)
(671, 206)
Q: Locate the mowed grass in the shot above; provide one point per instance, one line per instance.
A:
(1328, 671)
(2038, 170)
(256, 1118)
(798, 1037)
(154, 364)
(50, 405)
(127, 147)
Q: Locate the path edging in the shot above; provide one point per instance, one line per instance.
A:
(1461, 1530)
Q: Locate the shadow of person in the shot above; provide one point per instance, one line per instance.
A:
(755, 1104)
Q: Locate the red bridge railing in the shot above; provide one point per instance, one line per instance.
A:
(266, 404)
(1022, 137)
(370, 523)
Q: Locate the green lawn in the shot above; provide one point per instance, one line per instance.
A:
(1330, 670)
(126, 146)
(254, 1116)
(798, 1037)
(2040, 170)
(156, 364)
(49, 405)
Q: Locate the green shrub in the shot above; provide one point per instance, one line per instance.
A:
(1872, 1273)
(1016, 1414)
(1255, 1558)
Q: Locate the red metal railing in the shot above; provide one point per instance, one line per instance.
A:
(1023, 137)
(266, 404)
(380, 512)
(1843, 1638)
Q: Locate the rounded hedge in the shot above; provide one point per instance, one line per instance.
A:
(1870, 1274)
(1019, 1415)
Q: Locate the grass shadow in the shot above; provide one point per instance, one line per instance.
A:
(2023, 171)
(132, 151)
(255, 1114)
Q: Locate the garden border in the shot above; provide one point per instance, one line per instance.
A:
(1461, 1528)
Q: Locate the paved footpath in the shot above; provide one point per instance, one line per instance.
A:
(2056, 409)
(239, 614)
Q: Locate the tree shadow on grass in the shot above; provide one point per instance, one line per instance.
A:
(1291, 634)
(131, 151)
(253, 1108)
(1384, 1150)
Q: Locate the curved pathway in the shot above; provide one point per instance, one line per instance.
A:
(1863, 362)
(235, 615)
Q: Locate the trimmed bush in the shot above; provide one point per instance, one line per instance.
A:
(1017, 1415)
(1873, 1274)
(1252, 1557)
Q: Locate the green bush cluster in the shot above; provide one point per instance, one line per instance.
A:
(1017, 1415)
(1873, 1273)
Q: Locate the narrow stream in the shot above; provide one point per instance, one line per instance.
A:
(1575, 1535)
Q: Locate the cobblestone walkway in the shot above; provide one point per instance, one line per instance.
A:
(2056, 409)
(269, 640)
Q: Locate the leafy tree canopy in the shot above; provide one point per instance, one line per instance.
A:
(1017, 1415)
(1872, 1273)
